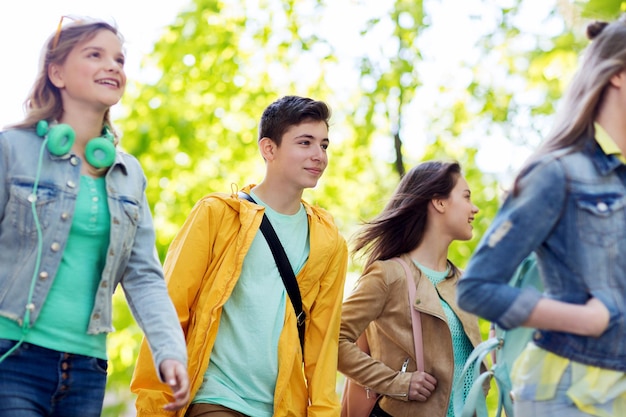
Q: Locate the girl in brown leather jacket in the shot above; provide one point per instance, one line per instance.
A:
(430, 209)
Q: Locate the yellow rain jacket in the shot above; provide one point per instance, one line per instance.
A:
(202, 266)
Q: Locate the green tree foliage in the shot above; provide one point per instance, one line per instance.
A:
(602, 9)
(192, 118)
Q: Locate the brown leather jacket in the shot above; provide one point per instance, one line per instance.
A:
(380, 304)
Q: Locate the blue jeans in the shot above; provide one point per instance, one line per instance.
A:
(36, 381)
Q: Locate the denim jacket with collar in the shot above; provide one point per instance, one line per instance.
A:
(570, 210)
(131, 257)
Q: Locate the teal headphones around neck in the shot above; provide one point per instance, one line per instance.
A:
(99, 152)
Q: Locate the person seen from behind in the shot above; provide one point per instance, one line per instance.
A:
(568, 205)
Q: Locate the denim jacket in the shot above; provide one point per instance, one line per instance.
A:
(570, 210)
(131, 258)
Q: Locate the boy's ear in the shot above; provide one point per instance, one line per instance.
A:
(55, 76)
(268, 148)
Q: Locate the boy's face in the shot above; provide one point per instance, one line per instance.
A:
(301, 158)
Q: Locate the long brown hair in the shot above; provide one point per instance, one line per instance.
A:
(399, 228)
(44, 100)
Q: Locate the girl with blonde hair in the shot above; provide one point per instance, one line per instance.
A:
(75, 223)
(568, 205)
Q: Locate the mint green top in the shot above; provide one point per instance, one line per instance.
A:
(243, 366)
(62, 324)
(461, 345)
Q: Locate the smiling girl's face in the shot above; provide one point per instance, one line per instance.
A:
(93, 74)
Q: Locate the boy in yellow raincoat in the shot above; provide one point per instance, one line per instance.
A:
(245, 357)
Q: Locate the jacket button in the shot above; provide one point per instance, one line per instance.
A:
(43, 275)
(55, 247)
(96, 316)
(74, 160)
(602, 207)
(71, 184)
(65, 216)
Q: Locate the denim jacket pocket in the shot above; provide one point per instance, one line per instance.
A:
(131, 215)
(20, 208)
(131, 208)
(600, 218)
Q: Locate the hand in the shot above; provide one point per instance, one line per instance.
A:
(598, 315)
(421, 386)
(175, 375)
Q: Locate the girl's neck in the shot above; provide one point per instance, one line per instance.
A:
(611, 120)
(432, 254)
(86, 124)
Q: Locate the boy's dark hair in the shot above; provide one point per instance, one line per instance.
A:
(289, 111)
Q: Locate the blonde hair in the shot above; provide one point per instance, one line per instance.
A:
(603, 58)
(44, 100)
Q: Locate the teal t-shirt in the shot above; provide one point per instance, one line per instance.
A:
(461, 345)
(64, 318)
(243, 367)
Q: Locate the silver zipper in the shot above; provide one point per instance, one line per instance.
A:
(405, 365)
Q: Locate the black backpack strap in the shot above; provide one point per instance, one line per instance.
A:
(286, 272)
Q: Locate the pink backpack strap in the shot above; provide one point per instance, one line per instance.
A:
(415, 315)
